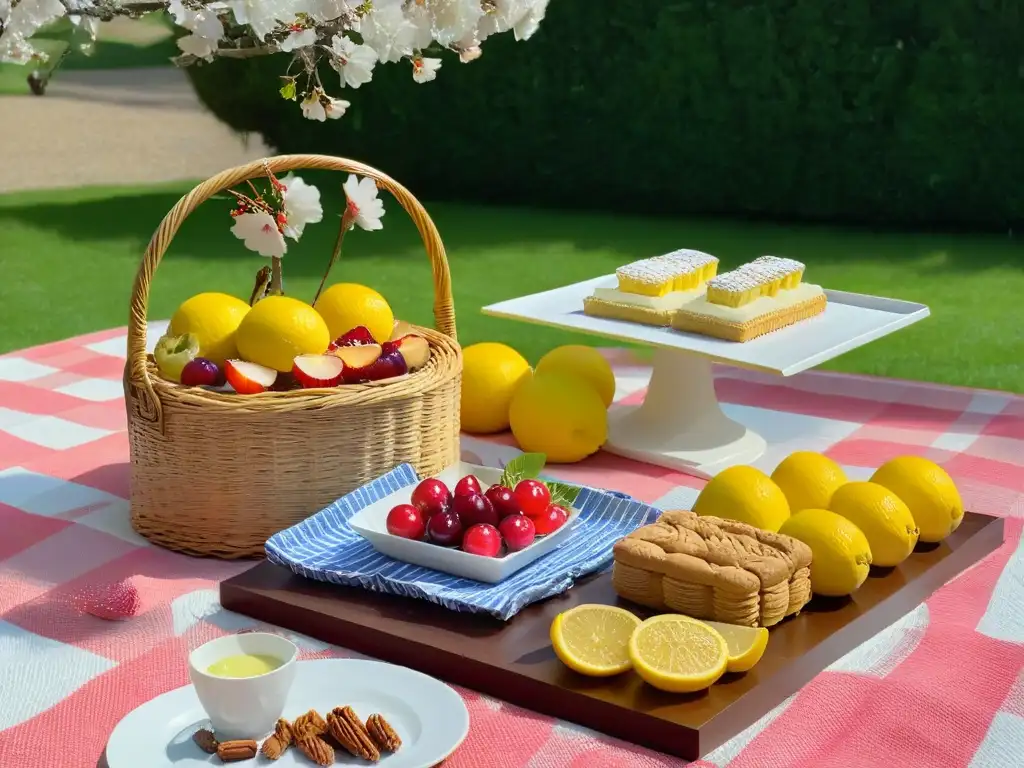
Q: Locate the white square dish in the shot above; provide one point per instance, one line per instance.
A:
(371, 524)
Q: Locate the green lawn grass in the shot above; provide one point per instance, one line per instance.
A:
(69, 259)
(110, 52)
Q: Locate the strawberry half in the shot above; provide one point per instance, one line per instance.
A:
(112, 602)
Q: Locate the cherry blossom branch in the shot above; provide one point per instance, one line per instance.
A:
(346, 224)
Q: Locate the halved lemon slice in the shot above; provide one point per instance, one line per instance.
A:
(746, 644)
(678, 654)
(594, 639)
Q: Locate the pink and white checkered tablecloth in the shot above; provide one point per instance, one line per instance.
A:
(942, 687)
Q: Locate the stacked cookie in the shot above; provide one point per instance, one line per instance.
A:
(714, 569)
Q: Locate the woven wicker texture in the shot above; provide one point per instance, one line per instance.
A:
(218, 473)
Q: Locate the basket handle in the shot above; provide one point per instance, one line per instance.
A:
(138, 373)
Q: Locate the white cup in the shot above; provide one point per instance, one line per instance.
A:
(243, 707)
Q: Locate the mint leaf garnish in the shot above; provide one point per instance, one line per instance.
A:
(562, 494)
(522, 467)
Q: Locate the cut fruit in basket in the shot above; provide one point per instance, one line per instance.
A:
(369, 363)
(746, 644)
(678, 654)
(594, 639)
(415, 349)
(249, 378)
(173, 353)
(357, 337)
(313, 371)
(400, 329)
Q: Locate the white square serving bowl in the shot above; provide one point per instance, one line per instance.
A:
(371, 524)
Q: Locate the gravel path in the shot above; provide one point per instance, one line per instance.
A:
(111, 127)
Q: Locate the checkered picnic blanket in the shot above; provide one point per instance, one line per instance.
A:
(941, 687)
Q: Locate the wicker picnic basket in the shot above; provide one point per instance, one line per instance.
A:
(216, 474)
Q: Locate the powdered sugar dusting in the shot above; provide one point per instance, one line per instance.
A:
(659, 269)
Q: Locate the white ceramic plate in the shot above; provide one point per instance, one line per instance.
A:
(371, 524)
(429, 717)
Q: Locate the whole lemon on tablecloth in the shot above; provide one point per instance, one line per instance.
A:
(928, 491)
(345, 306)
(808, 479)
(560, 416)
(745, 494)
(491, 373)
(883, 518)
(213, 318)
(585, 362)
(279, 329)
(841, 555)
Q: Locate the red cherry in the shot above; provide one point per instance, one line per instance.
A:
(431, 497)
(552, 519)
(482, 539)
(503, 501)
(467, 485)
(445, 529)
(518, 532)
(473, 509)
(406, 521)
(533, 497)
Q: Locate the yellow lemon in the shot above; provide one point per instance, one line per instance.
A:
(585, 362)
(279, 329)
(345, 306)
(928, 491)
(678, 654)
(491, 373)
(745, 494)
(808, 479)
(594, 639)
(841, 555)
(746, 644)
(885, 520)
(560, 416)
(213, 318)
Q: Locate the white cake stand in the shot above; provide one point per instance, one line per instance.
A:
(680, 424)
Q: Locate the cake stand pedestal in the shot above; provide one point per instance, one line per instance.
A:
(680, 424)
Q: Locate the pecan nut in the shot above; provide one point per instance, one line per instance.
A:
(315, 748)
(311, 721)
(283, 731)
(348, 730)
(206, 741)
(272, 747)
(238, 749)
(383, 734)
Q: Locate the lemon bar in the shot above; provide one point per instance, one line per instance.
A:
(682, 270)
(650, 290)
(757, 298)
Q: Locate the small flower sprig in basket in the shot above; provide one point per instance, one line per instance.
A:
(310, 414)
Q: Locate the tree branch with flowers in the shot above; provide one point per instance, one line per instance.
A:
(352, 36)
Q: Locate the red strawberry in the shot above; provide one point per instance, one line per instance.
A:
(113, 602)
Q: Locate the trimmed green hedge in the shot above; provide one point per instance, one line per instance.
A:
(896, 112)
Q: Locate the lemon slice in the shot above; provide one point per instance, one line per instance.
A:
(746, 644)
(678, 654)
(594, 639)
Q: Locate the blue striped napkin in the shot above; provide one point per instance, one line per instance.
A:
(324, 547)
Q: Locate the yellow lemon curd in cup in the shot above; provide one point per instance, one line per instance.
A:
(244, 665)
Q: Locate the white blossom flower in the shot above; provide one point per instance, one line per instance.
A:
(200, 47)
(319, 106)
(261, 15)
(322, 10)
(301, 205)
(419, 17)
(502, 16)
(260, 233)
(354, 62)
(388, 32)
(364, 206)
(528, 24)
(454, 20)
(424, 69)
(299, 39)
